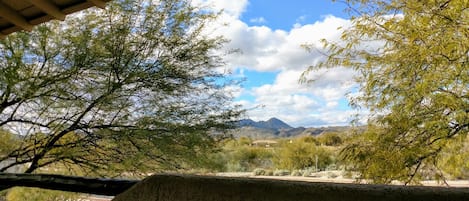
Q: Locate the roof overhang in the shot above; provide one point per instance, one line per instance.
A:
(17, 15)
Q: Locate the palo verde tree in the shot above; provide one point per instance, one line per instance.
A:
(412, 61)
(125, 89)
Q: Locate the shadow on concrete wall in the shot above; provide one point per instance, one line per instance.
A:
(202, 188)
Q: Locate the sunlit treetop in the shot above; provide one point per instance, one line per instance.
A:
(412, 60)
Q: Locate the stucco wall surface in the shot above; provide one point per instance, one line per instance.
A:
(166, 187)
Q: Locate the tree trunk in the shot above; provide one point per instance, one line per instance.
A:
(66, 183)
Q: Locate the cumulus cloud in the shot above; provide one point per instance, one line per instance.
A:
(303, 105)
(231, 8)
(263, 49)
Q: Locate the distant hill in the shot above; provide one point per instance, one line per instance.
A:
(272, 123)
(275, 128)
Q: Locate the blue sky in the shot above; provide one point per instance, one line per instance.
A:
(283, 14)
(269, 35)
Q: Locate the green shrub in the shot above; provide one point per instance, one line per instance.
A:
(300, 155)
(330, 139)
(296, 173)
(308, 171)
(310, 139)
(454, 161)
(331, 167)
(281, 172)
(36, 194)
(234, 167)
(247, 158)
(258, 172)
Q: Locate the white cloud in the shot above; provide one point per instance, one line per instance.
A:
(299, 104)
(332, 84)
(299, 21)
(231, 8)
(234, 90)
(263, 49)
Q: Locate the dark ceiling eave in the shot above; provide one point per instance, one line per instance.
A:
(17, 15)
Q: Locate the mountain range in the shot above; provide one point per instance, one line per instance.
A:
(272, 123)
(274, 128)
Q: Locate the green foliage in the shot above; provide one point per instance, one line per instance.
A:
(131, 88)
(281, 172)
(35, 194)
(215, 162)
(248, 158)
(7, 142)
(300, 155)
(269, 173)
(378, 161)
(412, 61)
(454, 160)
(243, 141)
(259, 172)
(332, 175)
(3, 194)
(308, 171)
(311, 140)
(330, 139)
(296, 173)
(238, 155)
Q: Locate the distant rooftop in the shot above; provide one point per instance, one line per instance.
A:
(17, 15)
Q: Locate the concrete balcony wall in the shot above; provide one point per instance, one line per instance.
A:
(203, 188)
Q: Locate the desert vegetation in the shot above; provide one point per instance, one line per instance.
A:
(138, 88)
(305, 155)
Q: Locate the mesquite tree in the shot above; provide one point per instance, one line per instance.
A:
(131, 87)
(412, 60)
